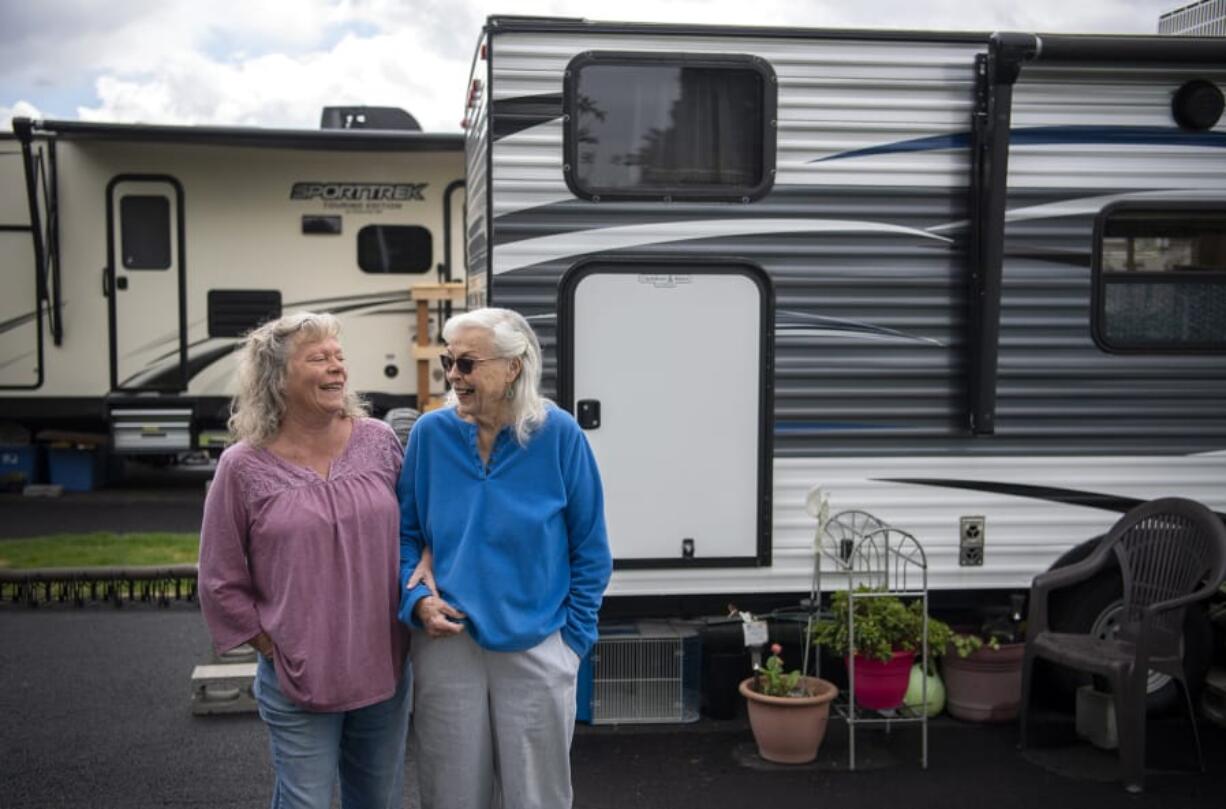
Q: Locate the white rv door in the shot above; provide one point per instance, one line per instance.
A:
(145, 280)
(666, 366)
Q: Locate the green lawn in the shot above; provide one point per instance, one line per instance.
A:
(99, 550)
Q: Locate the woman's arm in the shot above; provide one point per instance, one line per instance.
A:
(591, 562)
(227, 593)
(414, 587)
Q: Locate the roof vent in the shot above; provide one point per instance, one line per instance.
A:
(368, 118)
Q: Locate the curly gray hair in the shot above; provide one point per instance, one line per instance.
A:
(257, 410)
(512, 338)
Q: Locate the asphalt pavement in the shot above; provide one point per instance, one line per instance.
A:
(95, 712)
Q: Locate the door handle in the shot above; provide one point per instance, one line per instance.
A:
(588, 414)
(106, 283)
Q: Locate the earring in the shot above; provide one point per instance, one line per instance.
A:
(510, 392)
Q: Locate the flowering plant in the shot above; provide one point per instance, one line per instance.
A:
(773, 682)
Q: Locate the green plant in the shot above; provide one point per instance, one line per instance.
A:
(772, 681)
(966, 644)
(883, 625)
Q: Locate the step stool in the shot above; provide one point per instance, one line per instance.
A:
(1213, 703)
(1096, 718)
(223, 688)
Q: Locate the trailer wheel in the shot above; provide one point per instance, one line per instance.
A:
(1095, 608)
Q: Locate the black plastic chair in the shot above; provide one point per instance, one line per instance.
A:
(1170, 553)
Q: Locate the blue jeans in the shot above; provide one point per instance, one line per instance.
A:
(364, 747)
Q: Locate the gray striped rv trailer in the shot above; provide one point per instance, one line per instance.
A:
(993, 282)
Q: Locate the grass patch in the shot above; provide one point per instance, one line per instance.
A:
(100, 549)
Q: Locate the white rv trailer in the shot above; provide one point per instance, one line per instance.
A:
(134, 258)
(973, 284)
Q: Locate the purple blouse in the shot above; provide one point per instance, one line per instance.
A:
(313, 562)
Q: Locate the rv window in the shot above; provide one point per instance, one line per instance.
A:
(395, 249)
(144, 226)
(648, 126)
(1160, 279)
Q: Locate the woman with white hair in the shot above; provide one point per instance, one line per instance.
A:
(299, 557)
(502, 487)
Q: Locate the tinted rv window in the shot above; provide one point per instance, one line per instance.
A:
(653, 126)
(395, 249)
(1160, 280)
(144, 227)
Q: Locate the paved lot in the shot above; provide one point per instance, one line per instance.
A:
(148, 499)
(95, 712)
(95, 706)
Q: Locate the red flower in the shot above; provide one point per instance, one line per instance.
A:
(776, 649)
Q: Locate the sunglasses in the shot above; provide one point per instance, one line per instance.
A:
(465, 364)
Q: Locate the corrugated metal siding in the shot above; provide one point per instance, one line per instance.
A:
(1023, 535)
(1056, 387)
(837, 393)
(476, 154)
(876, 389)
(834, 96)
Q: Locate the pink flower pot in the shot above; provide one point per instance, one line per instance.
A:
(986, 685)
(789, 730)
(879, 685)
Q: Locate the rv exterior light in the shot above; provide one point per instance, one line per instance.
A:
(1197, 105)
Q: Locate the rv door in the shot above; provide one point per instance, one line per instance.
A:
(19, 321)
(145, 282)
(667, 367)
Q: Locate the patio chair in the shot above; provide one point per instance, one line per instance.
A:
(1170, 553)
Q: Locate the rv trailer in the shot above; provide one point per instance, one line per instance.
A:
(973, 284)
(135, 258)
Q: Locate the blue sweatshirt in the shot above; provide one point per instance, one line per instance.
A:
(519, 545)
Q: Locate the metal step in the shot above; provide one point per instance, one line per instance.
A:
(136, 430)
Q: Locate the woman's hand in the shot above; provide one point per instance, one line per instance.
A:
(424, 573)
(440, 619)
(262, 644)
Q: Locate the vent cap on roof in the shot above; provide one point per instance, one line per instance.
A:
(368, 118)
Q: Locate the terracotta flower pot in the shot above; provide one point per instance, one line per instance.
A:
(879, 685)
(789, 730)
(986, 685)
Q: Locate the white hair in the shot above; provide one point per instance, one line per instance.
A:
(513, 338)
(257, 410)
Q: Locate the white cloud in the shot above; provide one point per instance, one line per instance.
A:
(278, 62)
(22, 109)
(289, 91)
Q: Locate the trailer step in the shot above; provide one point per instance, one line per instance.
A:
(157, 430)
(223, 688)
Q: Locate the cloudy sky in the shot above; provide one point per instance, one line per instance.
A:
(278, 62)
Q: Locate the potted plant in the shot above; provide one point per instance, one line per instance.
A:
(788, 711)
(888, 634)
(983, 676)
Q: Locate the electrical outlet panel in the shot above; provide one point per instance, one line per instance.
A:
(971, 535)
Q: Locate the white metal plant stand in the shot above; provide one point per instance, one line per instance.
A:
(857, 550)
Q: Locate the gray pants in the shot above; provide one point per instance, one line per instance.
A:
(493, 728)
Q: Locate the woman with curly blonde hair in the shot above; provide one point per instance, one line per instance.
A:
(299, 557)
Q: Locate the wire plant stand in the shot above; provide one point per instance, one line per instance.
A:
(872, 560)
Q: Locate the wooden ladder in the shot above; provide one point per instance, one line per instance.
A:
(425, 350)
